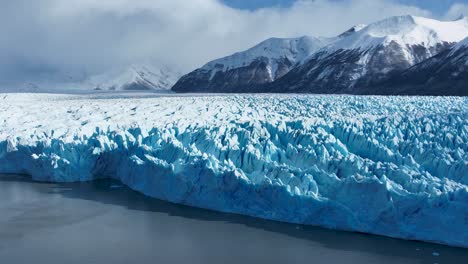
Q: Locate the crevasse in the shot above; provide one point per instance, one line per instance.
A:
(394, 166)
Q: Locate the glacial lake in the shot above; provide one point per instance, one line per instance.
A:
(105, 222)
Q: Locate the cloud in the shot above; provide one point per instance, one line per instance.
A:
(457, 10)
(89, 36)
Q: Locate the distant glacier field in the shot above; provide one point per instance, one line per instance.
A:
(393, 166)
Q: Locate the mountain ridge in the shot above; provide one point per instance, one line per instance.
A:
(263, 63)
(355, 62)
(134, 77)
(445, 73)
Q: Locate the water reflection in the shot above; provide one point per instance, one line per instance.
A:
(103, 222)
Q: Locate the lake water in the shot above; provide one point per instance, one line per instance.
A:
(105, 222)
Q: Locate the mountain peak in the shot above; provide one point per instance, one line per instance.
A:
(292, 49)
(351, 62)
(264, 63)
(405, 30)
(352, 30)
(391, 26)
(136, 77)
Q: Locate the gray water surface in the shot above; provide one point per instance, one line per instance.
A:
(105, 222)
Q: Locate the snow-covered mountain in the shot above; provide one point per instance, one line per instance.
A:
(356, 61)
(443, 74)
(133, 77)
(406, 31)
(264, 63)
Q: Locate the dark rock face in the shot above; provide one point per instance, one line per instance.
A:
(353, 71)
(323, 73)
(379, 58)
(390, 69)
(284, 66)
(239, 80)
(443, 74)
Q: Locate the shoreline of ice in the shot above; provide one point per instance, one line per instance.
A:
(393, 166)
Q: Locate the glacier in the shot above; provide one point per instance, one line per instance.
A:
(392, 166)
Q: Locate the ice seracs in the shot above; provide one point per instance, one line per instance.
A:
(394, 166)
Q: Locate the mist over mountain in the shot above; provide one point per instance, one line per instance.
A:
(69, 41)
(63, 45)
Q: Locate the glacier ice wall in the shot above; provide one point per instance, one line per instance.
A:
(394, 166)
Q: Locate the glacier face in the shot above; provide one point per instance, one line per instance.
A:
(394, 166)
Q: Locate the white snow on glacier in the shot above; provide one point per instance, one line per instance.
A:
(394, 166)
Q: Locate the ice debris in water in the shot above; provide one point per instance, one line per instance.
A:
(394, 166)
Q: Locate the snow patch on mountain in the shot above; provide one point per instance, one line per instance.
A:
(136, 77)
(133, 77)
(354, 62)
(394, 166)
(274, 49)
(358, 60)
(405, 31)
(352, 30)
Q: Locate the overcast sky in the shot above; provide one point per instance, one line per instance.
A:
(43, 36)
(437, 7)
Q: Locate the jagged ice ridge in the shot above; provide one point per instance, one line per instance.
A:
(393, 166)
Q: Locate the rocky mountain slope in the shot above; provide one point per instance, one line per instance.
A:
(443, 74)
(244, 71)
(359, 61)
